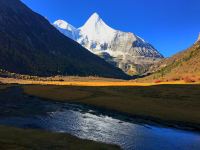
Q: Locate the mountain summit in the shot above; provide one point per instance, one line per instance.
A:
(64, 25)
(93, 20)
(124, 50)
(95, 29)
(66, 28)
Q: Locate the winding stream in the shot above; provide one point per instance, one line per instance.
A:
(85, 122)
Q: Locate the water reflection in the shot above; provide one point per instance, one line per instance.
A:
(89, 123)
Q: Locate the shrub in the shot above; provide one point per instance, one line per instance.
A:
(175, 79)
(157, 81)
(189, 80)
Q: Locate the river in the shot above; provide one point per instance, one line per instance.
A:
(86, 122)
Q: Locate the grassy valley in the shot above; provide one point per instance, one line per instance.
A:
(52, 87)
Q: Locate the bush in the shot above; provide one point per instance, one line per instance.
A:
(157, 81)
(188, 80)
(175, 79)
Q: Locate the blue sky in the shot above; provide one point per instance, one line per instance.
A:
(170, 25)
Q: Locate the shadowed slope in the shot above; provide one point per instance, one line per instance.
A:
(29, 44)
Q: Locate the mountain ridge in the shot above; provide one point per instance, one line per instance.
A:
(29, 44)
(125, 50)
(184, 65)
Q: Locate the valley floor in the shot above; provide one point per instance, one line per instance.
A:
(168, 103)
(173, 105)
(176, 104)
(21, 139)
(88, 81)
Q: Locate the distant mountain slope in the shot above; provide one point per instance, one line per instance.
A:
(29, 44)
(122, 49)
(183, 65)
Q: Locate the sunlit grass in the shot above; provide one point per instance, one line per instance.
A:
(92, 83)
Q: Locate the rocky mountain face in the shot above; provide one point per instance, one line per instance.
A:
(123, 50)
(182, 66)
(29, 44)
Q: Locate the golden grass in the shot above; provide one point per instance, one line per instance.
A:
(92, 83)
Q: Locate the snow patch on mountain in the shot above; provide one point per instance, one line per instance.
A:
(123, 49)
(66, 28)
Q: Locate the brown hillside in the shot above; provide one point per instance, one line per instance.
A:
(182, 66)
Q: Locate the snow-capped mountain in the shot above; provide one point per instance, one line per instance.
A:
(122, 49)
(66, 28)
(96, 31)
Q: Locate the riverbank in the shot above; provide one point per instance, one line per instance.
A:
(14, 138)
(170, 105)
(87, 122)
(175, 105)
